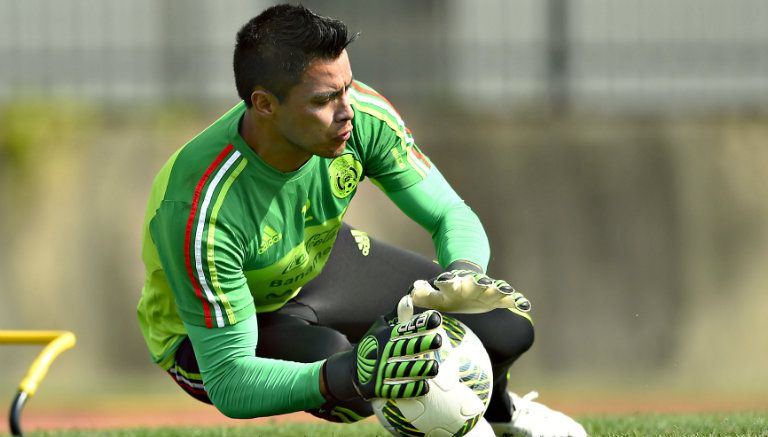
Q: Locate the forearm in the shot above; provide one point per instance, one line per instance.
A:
(455, 228)
(460, 237)
(242, 385)
(257, 387)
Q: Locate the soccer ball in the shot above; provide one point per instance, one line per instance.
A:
(458, 396)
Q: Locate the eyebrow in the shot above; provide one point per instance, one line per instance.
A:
(330, 95)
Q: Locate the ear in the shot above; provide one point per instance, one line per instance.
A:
(264, 103)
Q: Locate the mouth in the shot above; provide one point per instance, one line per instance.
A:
(344, 135)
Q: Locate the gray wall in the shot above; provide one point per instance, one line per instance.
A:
(615, 151)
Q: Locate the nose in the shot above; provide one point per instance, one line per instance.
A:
(344, 111)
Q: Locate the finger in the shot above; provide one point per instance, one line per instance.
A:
(424, 295)
(514, 300)
(505, 301)
(446, 277)
(483, 280)
(518, 299)
(411, 346)
(411, 369)
(405, 308)
(521, 302)
(504, 287)
(451, 277)
(421, 286)
(470, 288)
(410, 389)
(426, 321)
(492, 296)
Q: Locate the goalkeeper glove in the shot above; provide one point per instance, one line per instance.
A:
(391, 361)
(466, 291)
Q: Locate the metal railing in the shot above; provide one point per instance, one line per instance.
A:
(631, 55)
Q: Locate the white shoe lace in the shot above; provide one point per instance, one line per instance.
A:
(525, 405)
(533, 419)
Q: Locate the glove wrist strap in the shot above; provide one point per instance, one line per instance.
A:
(337, 372)
(463, 264)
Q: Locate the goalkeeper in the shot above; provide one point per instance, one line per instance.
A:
(259, 299)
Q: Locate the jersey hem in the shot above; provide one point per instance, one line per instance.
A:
(166, 360)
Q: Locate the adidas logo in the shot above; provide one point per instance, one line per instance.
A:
(269, 237)
(363, 241)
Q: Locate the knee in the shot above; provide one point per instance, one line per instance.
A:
(334, 341)
(301, 343)
(325, 343)
(505, 334)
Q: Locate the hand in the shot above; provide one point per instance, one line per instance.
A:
(468, 292)
(389, 361)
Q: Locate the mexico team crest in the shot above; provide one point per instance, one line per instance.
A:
(345, 172)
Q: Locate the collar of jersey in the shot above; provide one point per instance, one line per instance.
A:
(258, 164)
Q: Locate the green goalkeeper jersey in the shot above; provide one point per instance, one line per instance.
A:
(227, 236)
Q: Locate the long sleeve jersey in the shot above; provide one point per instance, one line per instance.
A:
(227, 236)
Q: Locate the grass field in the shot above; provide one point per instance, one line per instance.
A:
(687, 425)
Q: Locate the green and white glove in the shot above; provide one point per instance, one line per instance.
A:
(466, 291)
(389, 361)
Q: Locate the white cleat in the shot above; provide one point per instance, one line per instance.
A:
(482, 429)
(532, 419)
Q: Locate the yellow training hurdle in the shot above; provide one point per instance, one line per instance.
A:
(55, 343)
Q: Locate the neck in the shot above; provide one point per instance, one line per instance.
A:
(271, 147)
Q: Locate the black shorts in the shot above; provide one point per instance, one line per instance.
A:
(362, 280)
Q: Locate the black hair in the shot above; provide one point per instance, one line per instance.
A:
(274, 48)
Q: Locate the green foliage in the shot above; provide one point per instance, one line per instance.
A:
(689, 425)
(31, 129)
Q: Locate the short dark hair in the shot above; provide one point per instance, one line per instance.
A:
(274, 48)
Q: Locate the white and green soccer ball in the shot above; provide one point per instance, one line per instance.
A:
(458, 396)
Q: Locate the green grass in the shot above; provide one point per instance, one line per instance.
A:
(663, 425)
(689, 425)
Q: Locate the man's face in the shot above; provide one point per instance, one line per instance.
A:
(315, 117)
